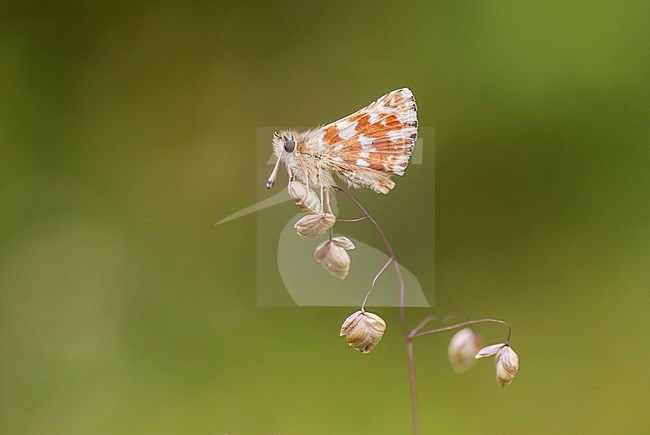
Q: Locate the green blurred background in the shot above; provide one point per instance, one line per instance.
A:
(127, 130)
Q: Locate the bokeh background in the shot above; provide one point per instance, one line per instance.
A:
(127, 129)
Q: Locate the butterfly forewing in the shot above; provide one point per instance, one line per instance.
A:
(379, 137)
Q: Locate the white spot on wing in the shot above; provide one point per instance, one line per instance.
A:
(348, 133)
(347, 129)
(394, 135)
(365, 142)
(343, 124)
(363, 163)
(319, 138)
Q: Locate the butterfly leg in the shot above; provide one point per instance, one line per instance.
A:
(289, 174)
(327, 198)
(322, 188)
(324, 192)
(321, 198)
(306, 180)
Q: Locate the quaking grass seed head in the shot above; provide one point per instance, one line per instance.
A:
(489, 350)
(304, 197)
(333, 256)
(463, 348)
(507, 365)
(314, 225)
(363, 330)
(506, 360)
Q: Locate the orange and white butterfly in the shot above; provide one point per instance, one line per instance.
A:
(364, 148)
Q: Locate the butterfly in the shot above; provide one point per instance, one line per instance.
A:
(364, 149)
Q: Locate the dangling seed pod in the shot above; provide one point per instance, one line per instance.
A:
(314, 225)
(333, 256)
(304, 198)
(463, 348)
(363, 330)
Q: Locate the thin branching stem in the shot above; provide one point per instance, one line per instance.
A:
(417, 331)
(405, 331)
(374, 281)
(460, 325)
(359, 219)
(431, 318)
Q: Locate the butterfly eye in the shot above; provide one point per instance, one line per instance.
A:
(289, 145)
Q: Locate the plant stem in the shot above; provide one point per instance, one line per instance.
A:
(414, 397)
(374, 281)
(359, 219)
(428, 319)
(416, 334)
(407, 335)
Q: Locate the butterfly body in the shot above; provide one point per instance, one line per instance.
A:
(364, 148)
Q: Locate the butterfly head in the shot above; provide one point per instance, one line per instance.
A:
(284, 147)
